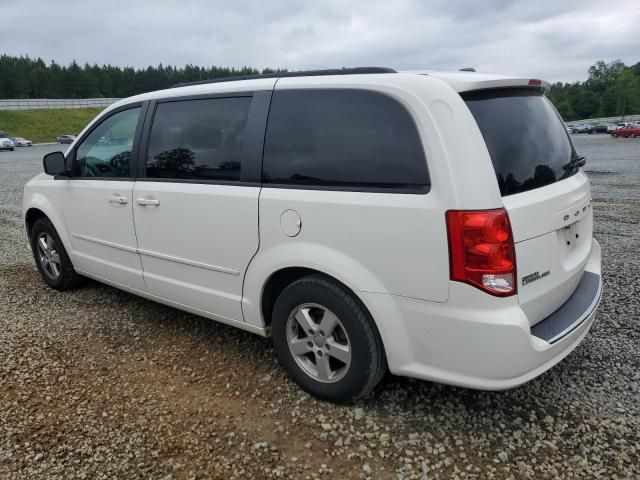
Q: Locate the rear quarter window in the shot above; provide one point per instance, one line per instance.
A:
(351, 139)
(527, 141)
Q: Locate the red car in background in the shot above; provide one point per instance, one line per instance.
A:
(626, 132)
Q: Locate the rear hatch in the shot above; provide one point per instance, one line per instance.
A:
(546, 194)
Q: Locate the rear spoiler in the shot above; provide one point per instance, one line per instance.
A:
(464, 81)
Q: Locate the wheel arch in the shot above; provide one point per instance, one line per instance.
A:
(31, 216)
(283, 277)
(39, 206)
(271, 270)
(275, 284)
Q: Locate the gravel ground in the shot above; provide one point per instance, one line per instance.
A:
(97, 383)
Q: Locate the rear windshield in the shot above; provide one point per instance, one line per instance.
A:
(527, 141)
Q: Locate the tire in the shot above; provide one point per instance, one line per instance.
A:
(318, 300)
(58, 275)
(633, 135)
(614, 135)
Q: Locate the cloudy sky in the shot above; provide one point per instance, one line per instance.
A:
(553, 39)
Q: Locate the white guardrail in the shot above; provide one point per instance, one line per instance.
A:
(46, 103)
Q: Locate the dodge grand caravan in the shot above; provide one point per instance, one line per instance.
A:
(434, 224)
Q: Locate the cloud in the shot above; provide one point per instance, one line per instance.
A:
(555, 40)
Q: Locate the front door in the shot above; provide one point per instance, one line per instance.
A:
(196, 213)
(97, 201)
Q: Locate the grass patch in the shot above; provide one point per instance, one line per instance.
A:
(41, 126)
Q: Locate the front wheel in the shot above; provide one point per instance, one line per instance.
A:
(51, 258)
(326, 341)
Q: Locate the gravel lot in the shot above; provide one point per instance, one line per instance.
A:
(97, 383)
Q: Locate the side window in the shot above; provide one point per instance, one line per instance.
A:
(342, 138)
(106, 152)
(198, 139)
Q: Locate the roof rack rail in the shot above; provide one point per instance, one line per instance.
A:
(302, 73)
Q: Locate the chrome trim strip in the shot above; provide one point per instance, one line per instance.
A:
(184, 261)
(161, 256)
(105, 243)
(582, 318)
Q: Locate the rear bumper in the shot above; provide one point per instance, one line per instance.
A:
(477, 341)
(576, 310)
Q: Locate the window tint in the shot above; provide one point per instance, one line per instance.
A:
(198, 139)
(527, 141)
(106, 152)
(342, 138)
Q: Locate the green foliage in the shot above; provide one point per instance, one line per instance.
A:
(612, 89)
(46, 125)
(23, 77)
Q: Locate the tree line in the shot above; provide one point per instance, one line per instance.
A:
(24, 77)
(612, 89)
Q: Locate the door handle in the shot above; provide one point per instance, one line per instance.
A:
(118, 199)
(148, 201)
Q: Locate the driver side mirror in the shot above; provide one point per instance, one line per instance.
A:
(54, 164)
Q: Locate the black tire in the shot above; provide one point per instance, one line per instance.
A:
(367, 363)
(67, 278)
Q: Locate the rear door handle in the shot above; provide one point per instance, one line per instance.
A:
(148, 201)
(118, 199)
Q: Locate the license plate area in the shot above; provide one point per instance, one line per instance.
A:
(571, 236)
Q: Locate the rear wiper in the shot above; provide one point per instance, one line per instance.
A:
(576, 162)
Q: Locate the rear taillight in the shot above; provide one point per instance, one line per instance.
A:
(481, 250)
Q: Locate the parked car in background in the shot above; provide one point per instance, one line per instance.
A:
(6, 144)
(21, 142)
(603, 128)
(583, 128)
(66, 138)
(3, 134)
(272, 207)
(631, 131)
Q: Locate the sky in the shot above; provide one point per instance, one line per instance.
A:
(556, 40)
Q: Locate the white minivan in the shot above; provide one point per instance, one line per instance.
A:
(434, 224)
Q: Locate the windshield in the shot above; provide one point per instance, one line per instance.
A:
(525, 136)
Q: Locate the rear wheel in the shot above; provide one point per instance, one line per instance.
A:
(326, 341)
(614, 135)
(51, 258)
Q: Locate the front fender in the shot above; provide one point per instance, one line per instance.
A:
(48, 201)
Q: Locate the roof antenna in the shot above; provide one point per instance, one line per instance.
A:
(468, 69)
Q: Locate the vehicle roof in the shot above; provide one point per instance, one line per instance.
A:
(461, 81)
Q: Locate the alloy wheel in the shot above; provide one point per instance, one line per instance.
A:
(48, 255)
(319, 342)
